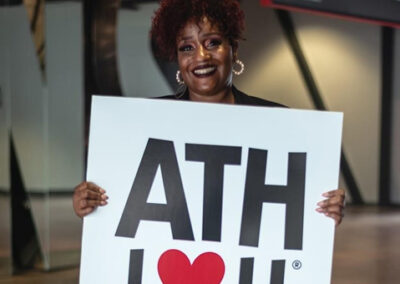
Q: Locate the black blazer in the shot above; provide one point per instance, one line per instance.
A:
(240, 99)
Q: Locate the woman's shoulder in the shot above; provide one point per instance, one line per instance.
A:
(177, 96)
(240, 99)
(244, 99)
(167, 97)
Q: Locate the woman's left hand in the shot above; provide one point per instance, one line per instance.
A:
(333, 206)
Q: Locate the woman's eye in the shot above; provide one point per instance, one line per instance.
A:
(214, 42)
(185, 48)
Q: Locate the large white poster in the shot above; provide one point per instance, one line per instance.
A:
(209, 193)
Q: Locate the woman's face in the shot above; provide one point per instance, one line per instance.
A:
(205, 58)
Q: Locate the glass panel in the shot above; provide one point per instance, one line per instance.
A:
(5, 198)
(64, 72)
(28, 132)
(5, 219)
(140, 73)
(41, 108)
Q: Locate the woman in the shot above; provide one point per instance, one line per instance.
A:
(203, 36)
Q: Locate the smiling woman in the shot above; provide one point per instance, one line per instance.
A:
(205, 60)
(203, 37)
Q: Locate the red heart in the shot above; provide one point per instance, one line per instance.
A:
(174, 268)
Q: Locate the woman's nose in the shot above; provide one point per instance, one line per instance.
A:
(203, 53)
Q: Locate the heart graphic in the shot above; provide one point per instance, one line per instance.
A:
(174, 268)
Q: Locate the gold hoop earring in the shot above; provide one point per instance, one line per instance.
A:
(240, 63)
(178, 78)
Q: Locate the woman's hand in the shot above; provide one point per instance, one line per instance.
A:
(333, 206)
(87, 196)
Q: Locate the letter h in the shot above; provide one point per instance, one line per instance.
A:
(257, 192)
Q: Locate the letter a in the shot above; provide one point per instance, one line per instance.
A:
(157, 153)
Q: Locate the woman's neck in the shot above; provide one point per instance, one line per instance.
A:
(226, 96)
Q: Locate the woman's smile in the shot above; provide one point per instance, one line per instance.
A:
(204, 71)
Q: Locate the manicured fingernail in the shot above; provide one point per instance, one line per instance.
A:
(103, 202)
(102, 190)
(320, 203)
(325, 194)
(327, 214)
(320, 210)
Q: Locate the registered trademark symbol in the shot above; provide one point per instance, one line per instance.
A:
(296, 264)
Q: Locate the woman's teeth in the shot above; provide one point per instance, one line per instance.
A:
(204, 71)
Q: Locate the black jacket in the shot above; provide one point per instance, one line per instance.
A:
(240, 99)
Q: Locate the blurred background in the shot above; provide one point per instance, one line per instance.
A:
(309, 54)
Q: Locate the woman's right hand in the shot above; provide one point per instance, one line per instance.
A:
(87, 196)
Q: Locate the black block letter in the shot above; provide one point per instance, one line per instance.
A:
(256, 193)
(277, 272)
(246, 270)
(214, 158)
(157, 153)
(135, 266)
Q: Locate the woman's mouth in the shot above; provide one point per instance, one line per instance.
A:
(204, 71)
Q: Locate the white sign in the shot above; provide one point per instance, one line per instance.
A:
(209, 193)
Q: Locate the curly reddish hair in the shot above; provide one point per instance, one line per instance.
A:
(172, 16)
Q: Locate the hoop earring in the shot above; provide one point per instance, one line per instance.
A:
(178, 78)
(240, 63)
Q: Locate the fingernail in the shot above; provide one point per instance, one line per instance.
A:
(326, 214)
(319, 210)
(325, 194)
(103, 202)
(320, 203)
(102, 190)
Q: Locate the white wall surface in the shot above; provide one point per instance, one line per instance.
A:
(45, 113)
(344, 58)
(5, 201)
(271, 70)
(138, 71)
(28, 100)
(28, 111)
(64, 69)
(4, 103)
(64, 57)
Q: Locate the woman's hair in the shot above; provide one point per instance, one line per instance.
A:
(172, 16)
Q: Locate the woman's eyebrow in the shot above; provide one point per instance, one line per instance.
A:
(184, 38)
(211, 33)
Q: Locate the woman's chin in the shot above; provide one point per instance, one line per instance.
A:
(206, 91)
(213, 93)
